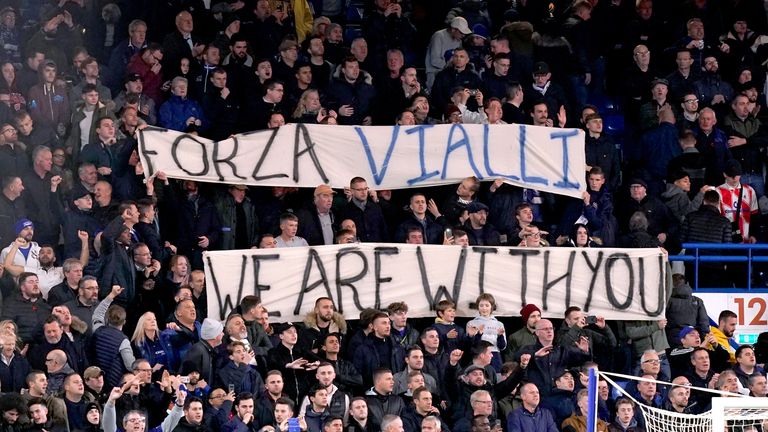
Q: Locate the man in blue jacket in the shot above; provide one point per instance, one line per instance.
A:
(530, 417)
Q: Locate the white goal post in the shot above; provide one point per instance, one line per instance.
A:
(739, 414)
(729, 412)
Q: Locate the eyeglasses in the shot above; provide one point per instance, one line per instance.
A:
(534, 235)
(690, 101)
(7, 130)
(652, 361)
(136, 420)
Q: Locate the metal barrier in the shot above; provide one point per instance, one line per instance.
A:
(749, 258)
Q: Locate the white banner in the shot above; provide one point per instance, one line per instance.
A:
(388, 157)
(615, 283)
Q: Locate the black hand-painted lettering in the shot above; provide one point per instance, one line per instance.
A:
(175, 154)
(377, 253)
(227, 160)
(609, 289)
(263, 157)
(313, 259)
(309, 147)
(349, 280)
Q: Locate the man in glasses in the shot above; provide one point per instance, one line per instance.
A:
(547, 356)
(13, 159)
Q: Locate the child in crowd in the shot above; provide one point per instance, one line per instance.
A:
(488, 328)
(452, 336)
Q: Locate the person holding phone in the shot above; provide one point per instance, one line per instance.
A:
(578, 326)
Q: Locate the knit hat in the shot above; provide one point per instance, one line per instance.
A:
(210, 329)
(21, 224)
(527, 310)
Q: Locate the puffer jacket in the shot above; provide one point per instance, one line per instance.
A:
(380, 405)
(685, 309)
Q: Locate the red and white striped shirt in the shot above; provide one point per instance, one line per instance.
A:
(729, 198)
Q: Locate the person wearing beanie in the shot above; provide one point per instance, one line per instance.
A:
(92, 421)
(30, 250)
(79, 218)
(202, 356)
(676, 196)
(530, 315)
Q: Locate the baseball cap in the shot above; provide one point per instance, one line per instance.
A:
(92, 372)
(460, 24)
(133, 77)
(476, 206)
(541, 68)
(323, 189)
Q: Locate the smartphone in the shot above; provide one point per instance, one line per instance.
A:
(448, 233)
(591, 319)
(231, 388)
(293, 425)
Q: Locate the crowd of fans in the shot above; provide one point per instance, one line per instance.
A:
(103, 295)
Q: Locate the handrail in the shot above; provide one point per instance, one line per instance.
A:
(697, 258)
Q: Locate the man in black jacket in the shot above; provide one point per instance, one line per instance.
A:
(380, 399)
(379, 351)
(317, 222)
(202, 355)
(293, 363)
(707, 225)
(220, 106)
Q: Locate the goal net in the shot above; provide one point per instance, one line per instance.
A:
(729, 413)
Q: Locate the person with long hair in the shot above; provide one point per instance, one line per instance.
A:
(16, 99)
(309, 109)
(146, 341)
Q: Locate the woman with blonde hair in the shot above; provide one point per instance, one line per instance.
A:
(309, 109)
(8, 327)
(146, 341)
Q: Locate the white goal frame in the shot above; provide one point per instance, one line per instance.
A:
(720, 404)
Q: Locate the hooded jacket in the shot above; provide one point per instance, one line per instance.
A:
(685, 309)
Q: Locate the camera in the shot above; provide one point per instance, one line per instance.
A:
(591, 319)
(473, 92)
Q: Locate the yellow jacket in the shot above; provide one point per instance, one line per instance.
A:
(579, 423)
(302, 15)
(725, 342)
